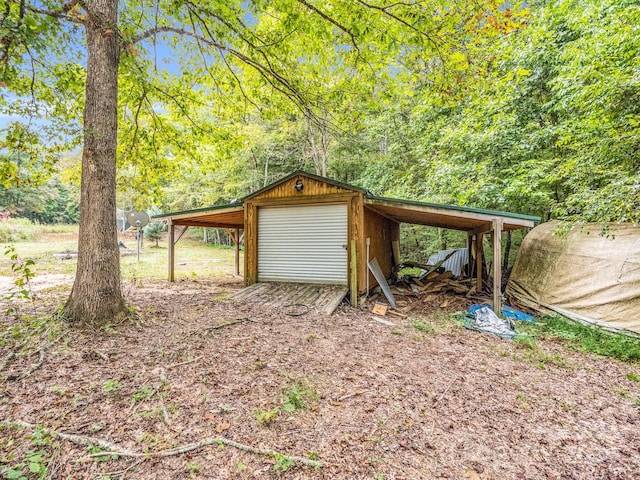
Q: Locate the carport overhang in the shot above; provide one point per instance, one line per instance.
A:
(476, 222)
(229, 217)
(472, 220)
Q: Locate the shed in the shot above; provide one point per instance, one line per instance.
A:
(312, 229)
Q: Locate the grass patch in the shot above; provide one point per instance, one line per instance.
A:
(526, 342)
(424, 327)
(194, 259)
(298, 395)
(532, 353)
(18, 230)
(587, 338)
(632, 377)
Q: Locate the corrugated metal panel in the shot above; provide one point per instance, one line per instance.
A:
(455, 263)
(303, 243)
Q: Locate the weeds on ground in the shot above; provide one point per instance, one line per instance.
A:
(296, 396)
(23, 273)
(439, 322)
(143, 393)
(193, 468)
(29, 334)
(423, 327)
(267, 417)
(587, 338)
(527, 343)
(283, 463)
(111, 386)
(96, 450)
(31, 463)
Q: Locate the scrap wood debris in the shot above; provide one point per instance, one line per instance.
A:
(434, 283)
(434, 286)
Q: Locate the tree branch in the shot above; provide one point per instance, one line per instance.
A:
(204, 24)
(113, 449)
(61, 14)
(181, 107)
(136, 124)
(333, 21)
(276, 80)
(384, 10)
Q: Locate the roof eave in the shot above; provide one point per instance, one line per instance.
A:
(513, 220)
(199, 212)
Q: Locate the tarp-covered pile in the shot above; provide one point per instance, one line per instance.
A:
(582, 274)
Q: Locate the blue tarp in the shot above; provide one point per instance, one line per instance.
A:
(507, 312)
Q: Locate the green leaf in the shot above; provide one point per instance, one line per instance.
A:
(13, 473)
(288, 407)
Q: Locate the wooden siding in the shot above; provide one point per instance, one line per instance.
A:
(382, 231)
(312, 187)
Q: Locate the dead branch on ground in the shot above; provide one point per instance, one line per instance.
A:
(113, 449)
(41, 351)
(231, 322)
(186, 362)
(446, 390)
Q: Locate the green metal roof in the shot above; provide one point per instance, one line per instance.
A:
(456, 208)
(368, 195)
(199, 210)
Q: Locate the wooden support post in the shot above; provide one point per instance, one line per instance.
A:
(236, 240)
(497, 266)
(469, 255)
(354, 275)
(172, 243)
(479, 263)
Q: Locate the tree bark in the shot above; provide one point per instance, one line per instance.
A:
(96, 297)
(442, 238)
(507, 251)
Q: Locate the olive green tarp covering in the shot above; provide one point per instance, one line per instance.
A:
(583, 274)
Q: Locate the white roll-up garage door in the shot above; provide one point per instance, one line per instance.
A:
(303, 243)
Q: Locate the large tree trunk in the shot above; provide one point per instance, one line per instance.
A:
(96, 298)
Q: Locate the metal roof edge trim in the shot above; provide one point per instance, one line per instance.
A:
(199, 210)
(482, 211)
(308, 174)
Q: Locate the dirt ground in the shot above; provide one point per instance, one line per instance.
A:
(376, 401)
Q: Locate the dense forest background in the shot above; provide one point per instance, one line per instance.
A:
(535, 109)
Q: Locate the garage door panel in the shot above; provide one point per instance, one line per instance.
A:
(303, 243)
